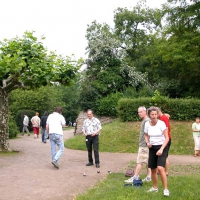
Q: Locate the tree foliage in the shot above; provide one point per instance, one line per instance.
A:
(148, 50)
(45, 98)
(107, 71)
(26, 63)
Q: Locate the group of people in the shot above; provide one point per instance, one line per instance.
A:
(36, 124)
(154, 144)
(52, 126)
(154, 141)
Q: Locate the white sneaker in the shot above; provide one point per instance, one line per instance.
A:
(166, 192)
(147, 179)
(153, 190)
(130, 180)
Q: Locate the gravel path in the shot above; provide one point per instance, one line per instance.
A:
(29, 174)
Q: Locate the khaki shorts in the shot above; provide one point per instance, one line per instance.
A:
(143, 155)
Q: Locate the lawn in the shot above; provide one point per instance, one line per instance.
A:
(123, 137)
(181, 188)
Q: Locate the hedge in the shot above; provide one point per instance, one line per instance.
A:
(179, 109)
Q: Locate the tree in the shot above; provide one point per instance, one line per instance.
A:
(133, 28)
(107, 71)
(182, 49)
(102, 75)
(42, 99)
(26, 63)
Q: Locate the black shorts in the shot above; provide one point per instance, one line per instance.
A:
(155, 160)
(168, 146)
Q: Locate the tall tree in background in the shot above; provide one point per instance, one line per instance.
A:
(137, 30)
(164, 43)
(102, 75)
(182, 50)
(25, 63)
(134, 26)
(107, 71)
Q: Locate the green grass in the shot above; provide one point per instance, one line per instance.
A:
(69, 128)
(9, 153)
(182, 187)
(123, 137)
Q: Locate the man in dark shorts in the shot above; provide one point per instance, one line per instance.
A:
(165, 119)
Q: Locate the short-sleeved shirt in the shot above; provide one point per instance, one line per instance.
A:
(91, 126)
(35, 121)
(26, 120)
(197, 127)
(55, 122)
(142, 142)
(155, 133)
(165, 119)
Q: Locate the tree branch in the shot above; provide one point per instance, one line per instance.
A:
(12, 83)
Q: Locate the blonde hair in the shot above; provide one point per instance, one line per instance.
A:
(167, 115)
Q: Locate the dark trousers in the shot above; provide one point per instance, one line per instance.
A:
(95, 142)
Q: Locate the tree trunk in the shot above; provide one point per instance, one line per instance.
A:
(4, 129)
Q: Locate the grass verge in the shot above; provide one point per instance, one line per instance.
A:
(123, 137)
(182, 187)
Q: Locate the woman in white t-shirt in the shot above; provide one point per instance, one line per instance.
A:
(156, 138)
(196, 136)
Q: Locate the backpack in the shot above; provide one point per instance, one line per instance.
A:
(137, 183)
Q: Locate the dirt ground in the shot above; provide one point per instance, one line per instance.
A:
(29, 174)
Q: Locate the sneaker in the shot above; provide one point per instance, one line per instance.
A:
(166, 192)
(130, 180)
(147, 179)
(55, 164)
(153, 190)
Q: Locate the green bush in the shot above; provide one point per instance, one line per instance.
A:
(179, 109)
(13, 129)
(127, 108)
(108, 105)
(183, 109)
(19, 117)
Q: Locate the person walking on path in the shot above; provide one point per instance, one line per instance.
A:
(25, 125)
(43, 126)
(196, 136)
(54, 126)
(156, 138)
(76, 125)
(36, 125)
(91, 129)
(165, 119)
(143, 151)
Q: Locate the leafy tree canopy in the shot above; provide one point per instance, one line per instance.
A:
(25, 62)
